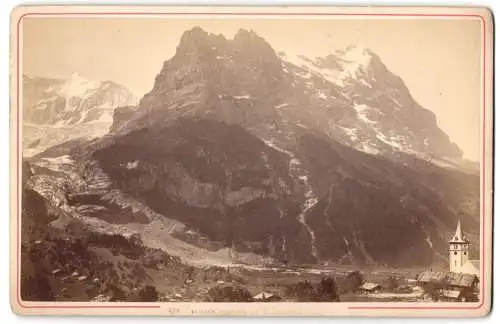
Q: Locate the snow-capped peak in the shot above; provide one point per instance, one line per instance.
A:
(355, 54)
(76, 76)
(349, 64)
(353, 59)
(77, 86)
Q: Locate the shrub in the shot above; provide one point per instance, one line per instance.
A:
(324, 291)
(304, 291)
(229, 294)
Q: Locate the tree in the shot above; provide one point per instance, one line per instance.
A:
(353, 281)
(148, 294)
(327, 290)
(304, 291)
(391, 283)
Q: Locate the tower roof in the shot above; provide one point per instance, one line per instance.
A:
(459, 236)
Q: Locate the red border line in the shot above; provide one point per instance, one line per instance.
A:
(483, 175)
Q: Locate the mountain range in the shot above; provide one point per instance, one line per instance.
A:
(242, 153)
(56, 110)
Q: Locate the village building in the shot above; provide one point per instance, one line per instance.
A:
(449, 286)
(460, 283)
(459, 254)
(266, 297)
(452, 295)
(369, 288)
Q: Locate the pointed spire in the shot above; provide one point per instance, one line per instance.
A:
(458, 233)
(459, 236)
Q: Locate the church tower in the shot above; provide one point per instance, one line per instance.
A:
(459, 250)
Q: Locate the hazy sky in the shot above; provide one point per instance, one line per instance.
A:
(439, 59)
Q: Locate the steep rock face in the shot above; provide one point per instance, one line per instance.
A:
(121, 116)
(363, 104)
(312, 201)
(55, 111)
(215, 178)
(382, 212)
(350, 95)
(235, 81)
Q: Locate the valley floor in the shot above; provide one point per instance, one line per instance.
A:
(118, 267)
(279, 282)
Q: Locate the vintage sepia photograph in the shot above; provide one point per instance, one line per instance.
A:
(214, 156)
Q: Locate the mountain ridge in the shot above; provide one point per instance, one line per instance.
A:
(374, 113)
(249, 150)
(56, 110)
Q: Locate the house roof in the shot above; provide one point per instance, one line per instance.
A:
(461, 279)
(428, 276)
(451, 293)
(369, 286)
(264, 295)
(471, 267)
(452, 278)
(475, 263)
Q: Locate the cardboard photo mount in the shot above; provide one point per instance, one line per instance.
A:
(295, 13)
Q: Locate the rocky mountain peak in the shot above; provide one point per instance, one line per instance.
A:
(256, 48)
(245, 33)
(76, 86)
(355, 54)
(192, 40)
(251, 38)
(56, 110)
(208, 67)
(349, 94)
(76, 76)
(209, 46)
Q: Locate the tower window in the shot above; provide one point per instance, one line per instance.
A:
(455, 252)
(465, 253)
